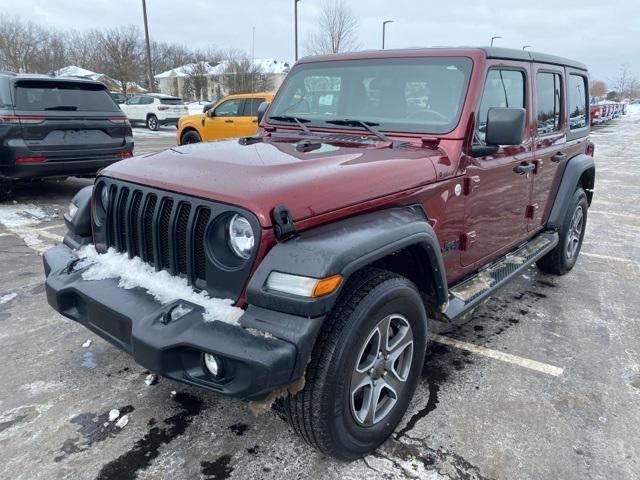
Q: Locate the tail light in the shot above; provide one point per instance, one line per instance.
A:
(125, 154)
(162, 107)
(22, 119)
(590, 149)
(30, 159)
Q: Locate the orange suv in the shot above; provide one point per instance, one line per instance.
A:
(232, 116)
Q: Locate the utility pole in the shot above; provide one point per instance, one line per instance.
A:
(494, 38)
(384, 29)
(146, 38)
(295, 21)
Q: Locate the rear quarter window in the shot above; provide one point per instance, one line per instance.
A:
(61, 96)
(577, 92)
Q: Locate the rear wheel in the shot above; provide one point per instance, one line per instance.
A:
(563, 257)
(190, 137)
(5, 190)
(152, 123)
(364, 368)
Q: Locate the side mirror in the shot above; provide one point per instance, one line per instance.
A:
(262, 110)
(505, 126)
(207, 107)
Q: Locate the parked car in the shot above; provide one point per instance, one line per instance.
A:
(232, 116)
(154, 109)
(57, 127)
(118, 97)
(339, 232)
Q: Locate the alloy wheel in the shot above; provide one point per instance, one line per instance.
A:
(575, 232)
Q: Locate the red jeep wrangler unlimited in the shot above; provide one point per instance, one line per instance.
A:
(384, 190)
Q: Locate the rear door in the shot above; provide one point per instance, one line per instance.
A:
(550, 141)
(132, 108)
(61, 118)
(497, 196)
(222, 122)
(247, 123)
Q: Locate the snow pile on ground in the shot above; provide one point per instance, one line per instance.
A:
(164, 287)
(7, 298)
(19, 219)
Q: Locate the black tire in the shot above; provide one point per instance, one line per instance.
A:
(563, 257)
(190, 136)
(323, 413)
(152, 123)
(5, 190)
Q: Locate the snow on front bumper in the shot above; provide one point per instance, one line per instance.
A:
(99, 293)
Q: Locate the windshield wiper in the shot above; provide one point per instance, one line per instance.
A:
(69, 108)
(361, 123)
(300, 121)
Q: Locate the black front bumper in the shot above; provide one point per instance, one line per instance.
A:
(134, 321)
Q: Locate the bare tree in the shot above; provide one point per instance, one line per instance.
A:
(198, 75)
(598, 88)
(242, 75)
(626, 84)
(123, 54)
(336, 32)
(20, 45)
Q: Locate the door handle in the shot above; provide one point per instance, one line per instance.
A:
(558, 157)
(525, 168)
(228, 121)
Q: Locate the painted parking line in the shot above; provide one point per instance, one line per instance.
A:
(608, 257)
(49, 227)
(497, 355)
(6, 234)
(51, 236)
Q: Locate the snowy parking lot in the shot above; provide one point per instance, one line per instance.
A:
(543, 381)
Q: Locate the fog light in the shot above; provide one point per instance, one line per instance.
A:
(213, 364)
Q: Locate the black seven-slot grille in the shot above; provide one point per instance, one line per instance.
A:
(174, 232)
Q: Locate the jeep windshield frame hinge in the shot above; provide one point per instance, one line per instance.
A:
(283, 222)
(471, 184)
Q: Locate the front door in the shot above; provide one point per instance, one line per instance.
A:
(497, 195)
(247, 122)
(550, 138)
(222, 122)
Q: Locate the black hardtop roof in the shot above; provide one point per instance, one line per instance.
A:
(530, 56)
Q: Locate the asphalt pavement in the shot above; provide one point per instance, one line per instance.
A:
(542, 382)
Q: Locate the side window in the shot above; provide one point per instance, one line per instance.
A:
(548, 102)
(147, 100)
(503, 88)
(577, 94)
(230, 108)
(135, 100)
(251, 106)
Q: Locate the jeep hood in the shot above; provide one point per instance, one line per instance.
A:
(260, 176)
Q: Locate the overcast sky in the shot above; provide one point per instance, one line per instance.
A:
(602, 34)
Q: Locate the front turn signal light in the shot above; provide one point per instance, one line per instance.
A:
(303, 286)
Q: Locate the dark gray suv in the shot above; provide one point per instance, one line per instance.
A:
(58, 127)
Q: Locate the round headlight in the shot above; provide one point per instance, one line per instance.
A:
(241, 238)
(104, 197)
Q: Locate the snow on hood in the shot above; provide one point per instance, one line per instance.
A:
(164, 287)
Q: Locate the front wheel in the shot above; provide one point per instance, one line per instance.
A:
(364, 368)
(563, 257)
(190, 137)
(152, 123)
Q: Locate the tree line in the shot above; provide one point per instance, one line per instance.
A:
(27, 47)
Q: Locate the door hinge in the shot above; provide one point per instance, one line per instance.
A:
(467, 239)
(531, 210)
(471, 184)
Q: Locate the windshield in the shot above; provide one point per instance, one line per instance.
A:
(417, 95)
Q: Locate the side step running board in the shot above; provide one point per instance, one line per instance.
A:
(471, 292)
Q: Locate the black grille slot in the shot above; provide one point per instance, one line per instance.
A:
(148, 216)
(121, 220)
(199, 255)
(134, 224)
(164, 234)
(182, 223)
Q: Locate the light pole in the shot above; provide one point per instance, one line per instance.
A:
(146, 39)
(494, 38)
(524, 47)
(384, 29)
(295, 21)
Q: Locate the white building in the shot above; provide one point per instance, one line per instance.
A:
(209, 78)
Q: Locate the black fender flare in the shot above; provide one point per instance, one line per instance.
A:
(575, 168)
(343, 247)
